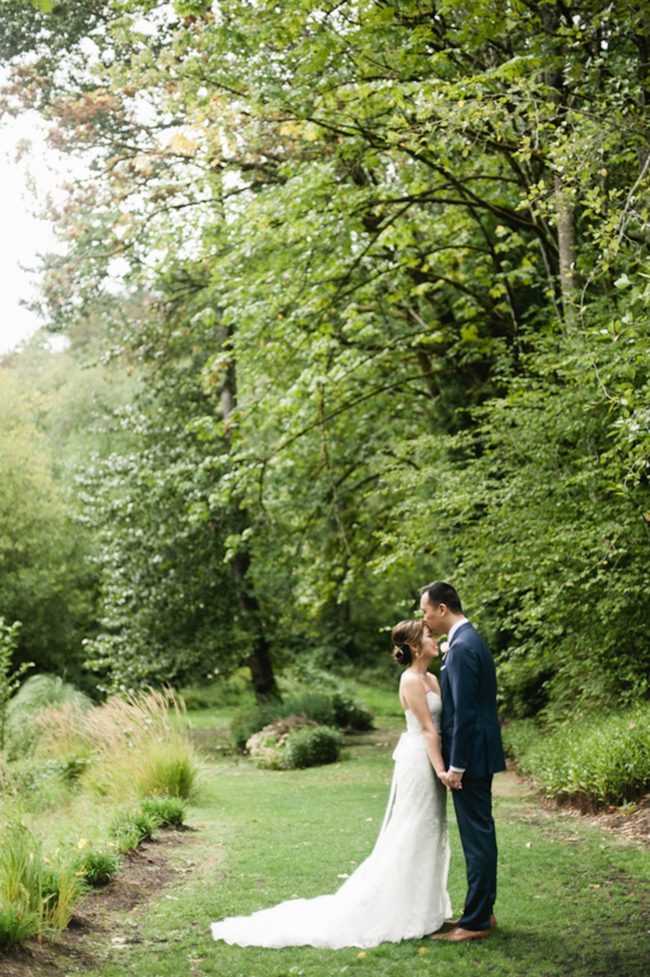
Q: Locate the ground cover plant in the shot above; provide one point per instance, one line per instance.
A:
(602, 759)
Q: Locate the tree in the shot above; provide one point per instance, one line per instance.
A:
(407, 226)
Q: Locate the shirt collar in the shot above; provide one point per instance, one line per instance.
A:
(454, 628)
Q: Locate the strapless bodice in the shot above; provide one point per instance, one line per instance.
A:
(435, 708)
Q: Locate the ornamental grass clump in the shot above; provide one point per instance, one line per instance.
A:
(133, 823)
(166, 812)
(139, 750)
(35, 895)
(17, 923)
(97, 866)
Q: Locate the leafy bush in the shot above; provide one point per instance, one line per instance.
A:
(519, 736)
(342, 708)
(323, 708)
(36, 695)
(97, 866)
(312, 747)
(231, 691)
(349, 713)
(267, 746)
(317, 706)
(249, 720)
(164, 811)
(602, 760)
(43, 784)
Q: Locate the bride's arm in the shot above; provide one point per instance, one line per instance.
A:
(415, 697)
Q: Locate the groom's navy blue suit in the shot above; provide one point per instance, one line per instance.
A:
(471, 741)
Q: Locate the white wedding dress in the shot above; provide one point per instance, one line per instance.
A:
(398, 893)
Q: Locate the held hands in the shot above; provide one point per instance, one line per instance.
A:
(451, 779)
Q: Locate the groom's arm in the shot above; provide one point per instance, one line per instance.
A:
(464, 683)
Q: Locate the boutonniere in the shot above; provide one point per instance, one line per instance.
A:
(444, 648)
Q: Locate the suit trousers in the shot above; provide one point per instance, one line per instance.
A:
(473, 806)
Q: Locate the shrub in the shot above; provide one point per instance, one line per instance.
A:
(97, 866)
(250, 719)
(36, 695)
(519, 736)
(164, 811)
(312, 747)
(349, 713)
(323, 708)
(231, 691)
(267, 746)
(344, 710)
(317, 706)
(602, 760)
(42, 784)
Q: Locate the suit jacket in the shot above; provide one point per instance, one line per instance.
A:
(471, 735)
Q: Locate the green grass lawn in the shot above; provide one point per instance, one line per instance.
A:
(572, 900)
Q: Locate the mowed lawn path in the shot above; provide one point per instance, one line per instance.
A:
(573, 900)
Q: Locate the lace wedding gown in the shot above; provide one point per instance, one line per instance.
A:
(398, 893)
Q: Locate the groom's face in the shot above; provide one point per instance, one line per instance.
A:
(434, 615)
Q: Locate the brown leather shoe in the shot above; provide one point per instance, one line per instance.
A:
(459, 935)
(455, 922)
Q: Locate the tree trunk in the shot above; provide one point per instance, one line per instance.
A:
(259, 659)
(566, 241)
(564, 206)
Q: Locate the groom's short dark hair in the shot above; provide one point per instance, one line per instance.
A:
(440, 592)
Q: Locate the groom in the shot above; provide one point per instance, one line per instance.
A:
(472, 750)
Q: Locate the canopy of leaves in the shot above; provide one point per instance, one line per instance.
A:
(394, 258)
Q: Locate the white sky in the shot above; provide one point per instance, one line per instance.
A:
(22, 235)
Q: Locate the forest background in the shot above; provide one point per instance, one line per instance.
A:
(356, 296)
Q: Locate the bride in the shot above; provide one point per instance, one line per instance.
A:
(400, 891)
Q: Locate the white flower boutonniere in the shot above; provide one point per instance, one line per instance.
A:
(444, 648)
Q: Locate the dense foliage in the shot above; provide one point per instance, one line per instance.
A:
(384, 267)
(591, 763)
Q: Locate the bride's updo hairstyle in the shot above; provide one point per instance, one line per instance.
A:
(407, 638)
